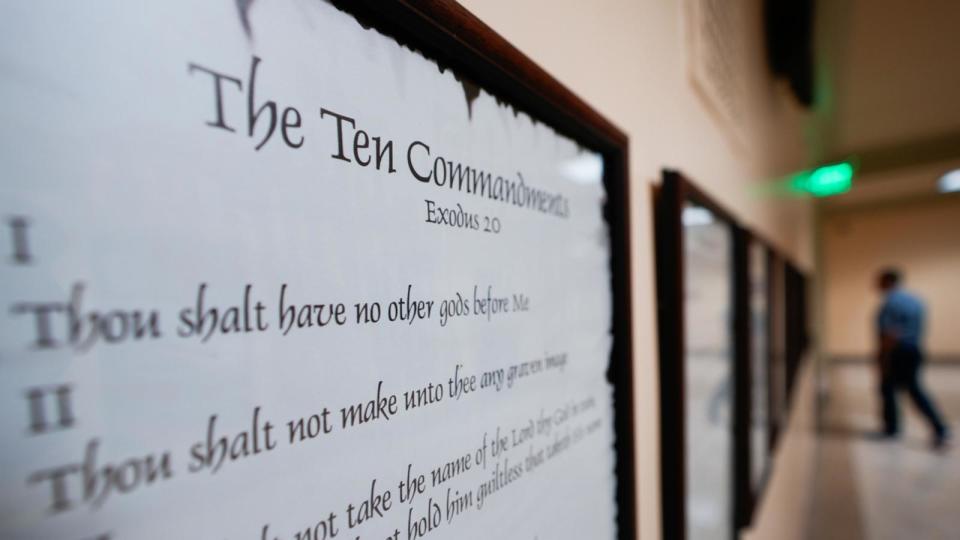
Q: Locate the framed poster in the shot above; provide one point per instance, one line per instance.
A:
(701, 276)
(778, 395)
(797, 332)
(788, 338)
(301, 270)
(757, 433)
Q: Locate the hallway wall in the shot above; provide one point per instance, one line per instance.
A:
(922, 238)
(630, 60)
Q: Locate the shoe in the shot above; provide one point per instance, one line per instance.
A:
(941, 441)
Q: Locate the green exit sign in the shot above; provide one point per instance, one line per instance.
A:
(824, 181)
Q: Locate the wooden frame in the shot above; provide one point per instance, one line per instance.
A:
(777, 407)
(790, 300)
(743, 499)
(446, 32)
(795, 338)
(674, 192)
(752, 493)
(797, 333)
(786, 320)
(668, 202)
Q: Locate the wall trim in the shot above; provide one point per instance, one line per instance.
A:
(951, 360)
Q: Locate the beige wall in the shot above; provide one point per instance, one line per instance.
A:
(628, 59)
(922, 238)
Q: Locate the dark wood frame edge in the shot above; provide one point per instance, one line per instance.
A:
(743, 500)
(669, 270)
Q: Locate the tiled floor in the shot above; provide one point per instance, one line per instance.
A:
(872, 489)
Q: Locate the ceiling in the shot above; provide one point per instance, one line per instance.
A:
(897, 186)
(889, 93)
(890, 73)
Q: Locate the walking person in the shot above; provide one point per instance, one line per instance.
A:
(900, 323)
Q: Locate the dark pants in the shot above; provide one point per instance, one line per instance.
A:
(904, 373)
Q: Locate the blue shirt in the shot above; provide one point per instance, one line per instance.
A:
(901, 316)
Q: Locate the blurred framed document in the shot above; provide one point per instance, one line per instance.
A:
(703, 351)
(732, 335)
